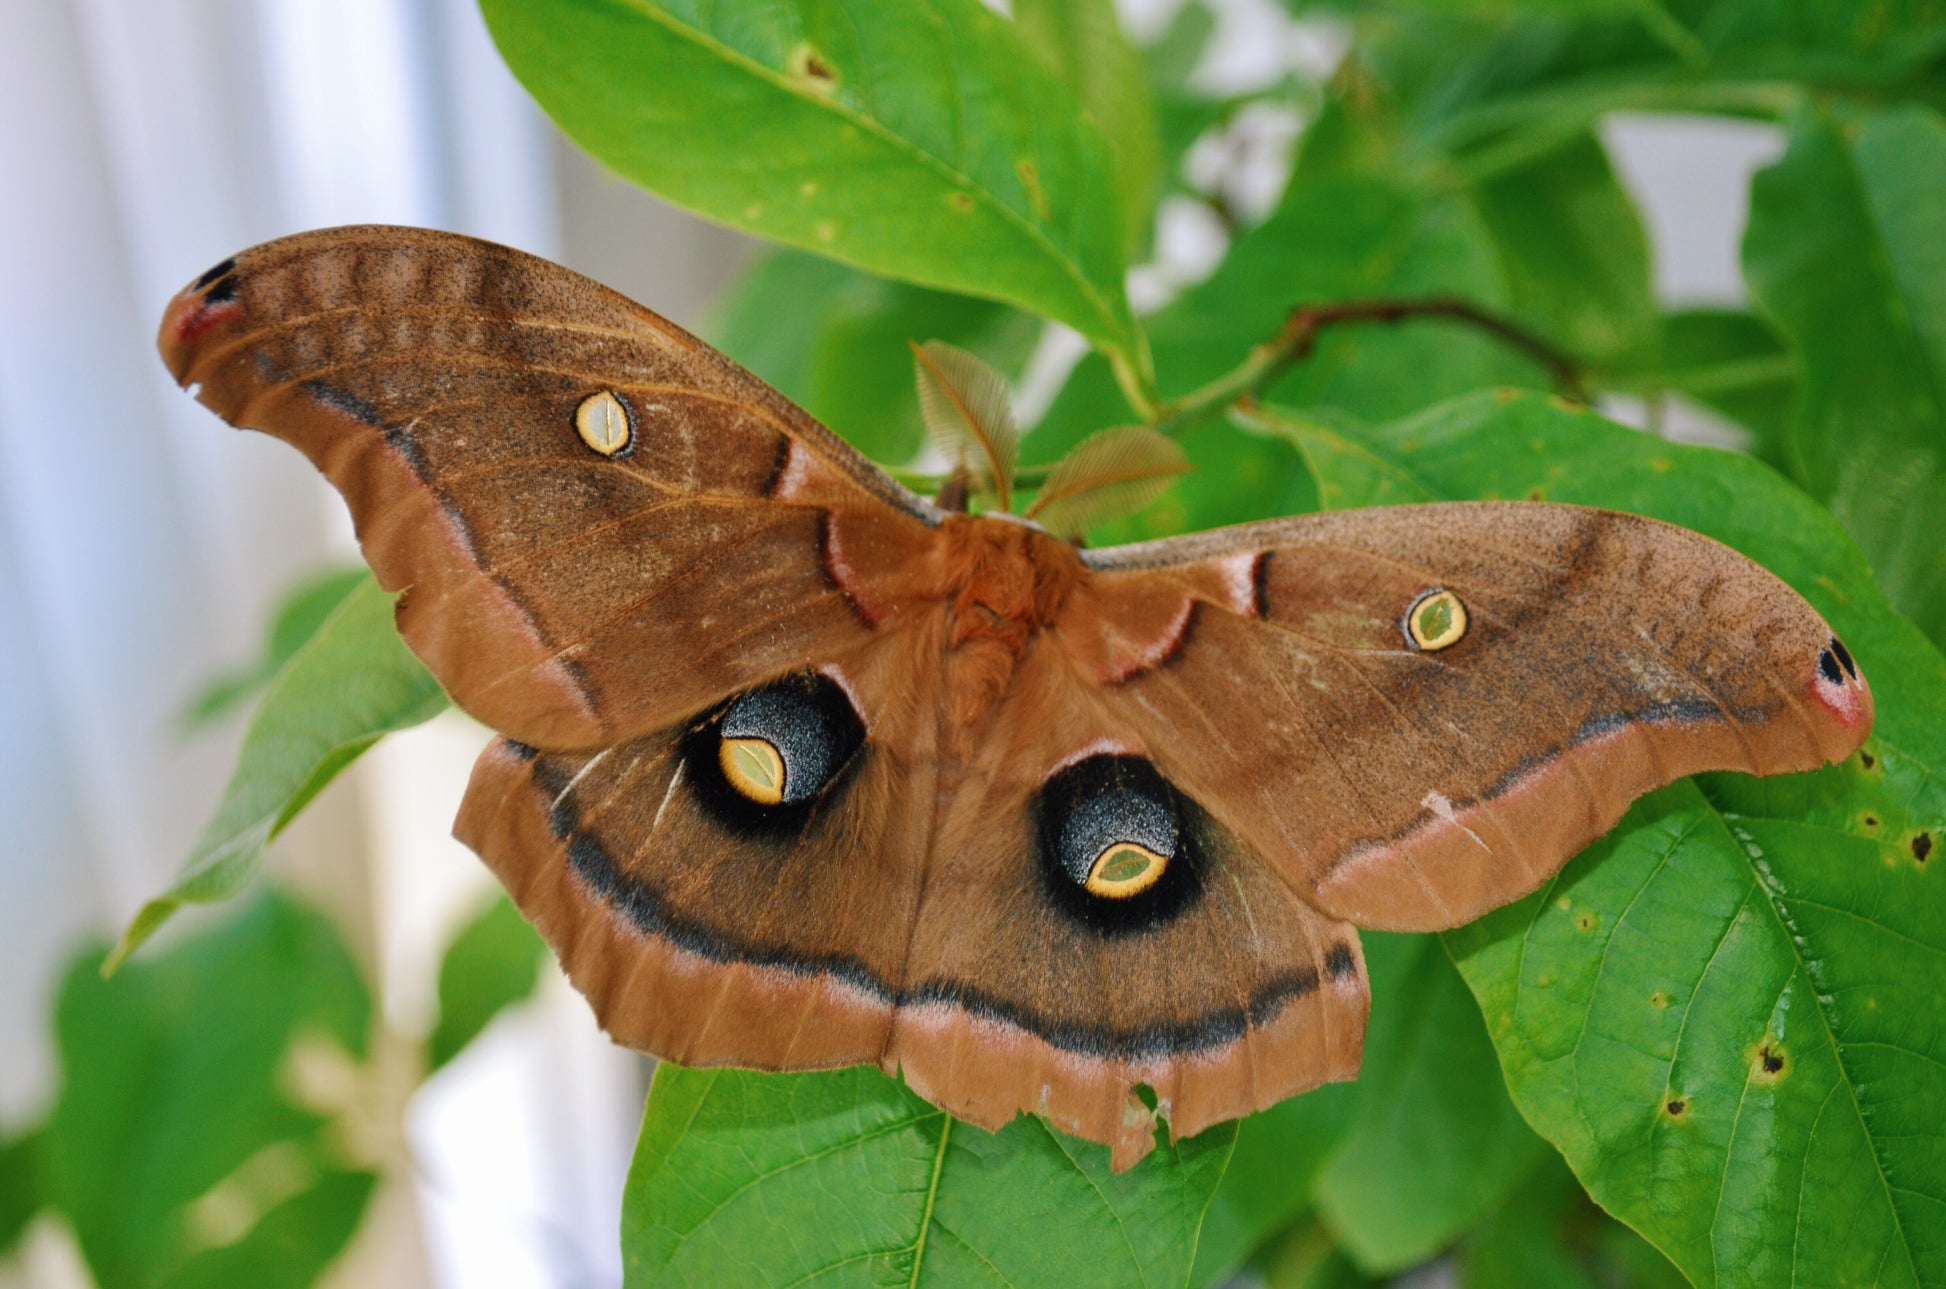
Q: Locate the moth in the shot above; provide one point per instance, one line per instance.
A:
(799, 769)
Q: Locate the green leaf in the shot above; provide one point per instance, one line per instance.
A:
(1083, 41)
(849, 1178)
(20, 1187)
(298, 616)
(1577, 261)
(1844, 255)
(491, 964)
(1730, 362)
(1727, 919)
(835, 341)
(1279, 1154)
(920, 140)
(175, 1120)
(1549, 1235)
(1434, 1144)
(1337, 237)
(1306, 1258)
(350, 684)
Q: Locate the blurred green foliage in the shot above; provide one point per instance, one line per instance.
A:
(213, 1125)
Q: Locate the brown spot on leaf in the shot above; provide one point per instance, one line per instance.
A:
(806, 64)
(1866, 759)
(1922, 846)
(1659, 1000)
(1586, 921)
(1770, 1061)
(1677, 1107)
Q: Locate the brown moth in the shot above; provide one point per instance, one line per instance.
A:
(800, 770)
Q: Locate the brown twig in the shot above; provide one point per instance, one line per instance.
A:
(1295, 340)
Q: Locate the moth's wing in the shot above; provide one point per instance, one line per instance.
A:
(563, 596)
(700, 929)
(1605, 655)
(914, 924)
(1222, 989)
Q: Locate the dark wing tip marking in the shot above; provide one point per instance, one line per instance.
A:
(1260, 584)
(1339, 964)
(1843, 654)
(1828, 665)
(214, 272)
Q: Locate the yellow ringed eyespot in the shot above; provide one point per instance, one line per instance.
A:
(1436, 620)
(603, 423)
(1125, 869)
(754, 768)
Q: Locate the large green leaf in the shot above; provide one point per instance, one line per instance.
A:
(176, 1138)
(1083, 41)
(1730, 1014)
(296, 619)
(350, 684)
(920, 140)
(1576, 258)
(1279, 1154)
(838, 343)
(1433, 1145)
(1844, 254)
(848, 1178)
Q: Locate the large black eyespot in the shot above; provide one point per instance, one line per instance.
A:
(1117, 844)
(763, 759)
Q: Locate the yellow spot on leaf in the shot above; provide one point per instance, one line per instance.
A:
(810, 67)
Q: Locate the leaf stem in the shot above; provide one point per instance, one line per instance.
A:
(1138, 385)
(1298, 336)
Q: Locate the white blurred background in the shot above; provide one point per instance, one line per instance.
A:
(142, 543)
